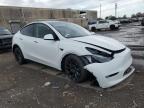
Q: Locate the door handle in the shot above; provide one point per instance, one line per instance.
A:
(35, 41)
(20, 38)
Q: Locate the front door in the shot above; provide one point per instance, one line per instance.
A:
(47, 50)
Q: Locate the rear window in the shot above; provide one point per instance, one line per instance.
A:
(28, 30)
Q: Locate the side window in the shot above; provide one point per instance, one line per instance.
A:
(28, 30)
(101, 22)
(42, 30)
(90, 23)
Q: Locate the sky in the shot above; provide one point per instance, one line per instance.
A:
(127, 7)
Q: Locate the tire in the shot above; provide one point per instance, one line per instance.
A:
(117, 28)
(112, 27)
(93, 29)
(73, 67)
(19, 56)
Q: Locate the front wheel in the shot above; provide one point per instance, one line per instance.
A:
(74, 69)
(112, 27)
(19, 56)
(93, 29)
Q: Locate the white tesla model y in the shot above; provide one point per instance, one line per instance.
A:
(74, 50)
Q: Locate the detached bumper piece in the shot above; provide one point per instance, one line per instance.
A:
(5, 43)
(112, 72)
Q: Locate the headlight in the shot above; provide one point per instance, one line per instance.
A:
(98, 56)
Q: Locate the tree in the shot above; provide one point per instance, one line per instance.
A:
(133, 16)
(106, 17)
(139, 14)
(99, 19)
(111, 17)
(124, 16)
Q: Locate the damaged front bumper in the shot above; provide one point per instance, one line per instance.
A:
(113, 72)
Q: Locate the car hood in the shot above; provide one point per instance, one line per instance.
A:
(5, 36)
(101, 41)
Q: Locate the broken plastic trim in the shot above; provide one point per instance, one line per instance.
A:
(112, 75)
(111, 51)
(98, 52)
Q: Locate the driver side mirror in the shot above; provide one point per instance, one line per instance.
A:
(48, 37)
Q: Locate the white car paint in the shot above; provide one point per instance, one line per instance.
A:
(102, 41)
(49, 52)
(120, 64)
(105, 25)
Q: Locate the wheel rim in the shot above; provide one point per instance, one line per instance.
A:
(18, 55)
(73, 69)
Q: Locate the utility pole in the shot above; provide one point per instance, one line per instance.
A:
(115, 9)
(100, 10)
(23, 15)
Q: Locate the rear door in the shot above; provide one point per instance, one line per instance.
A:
(28, 40)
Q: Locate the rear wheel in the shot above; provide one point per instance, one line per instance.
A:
(19, 56)
(74, 69)
(112, 27)
(93, 29)
(98, 29)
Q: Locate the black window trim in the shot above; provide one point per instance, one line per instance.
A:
(25, 27)
(103, 21)
(56, 37)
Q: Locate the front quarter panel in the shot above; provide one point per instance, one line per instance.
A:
(69, 46)
(16, 38)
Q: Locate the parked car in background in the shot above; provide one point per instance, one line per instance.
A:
(103, 24)
(142, 22)
(125, 20)
(5, 38)
(72, 49)
(115, 22)
(134, 19)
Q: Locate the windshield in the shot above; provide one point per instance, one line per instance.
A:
(70, 30)
(4, 31)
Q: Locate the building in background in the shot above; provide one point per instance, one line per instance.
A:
(15, 17)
